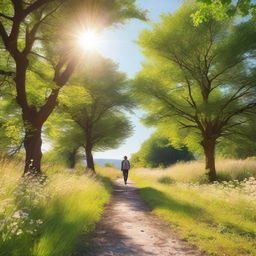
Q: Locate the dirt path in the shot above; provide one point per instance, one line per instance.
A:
(129, 228)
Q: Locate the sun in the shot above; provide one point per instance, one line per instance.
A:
(89, 39)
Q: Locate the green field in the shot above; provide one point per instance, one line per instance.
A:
(219, 218)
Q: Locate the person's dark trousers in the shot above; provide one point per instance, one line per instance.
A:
(125, 173)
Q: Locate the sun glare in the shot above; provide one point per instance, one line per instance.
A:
(89, 40)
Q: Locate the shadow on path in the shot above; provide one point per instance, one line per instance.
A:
(160, 200)
(129, 228)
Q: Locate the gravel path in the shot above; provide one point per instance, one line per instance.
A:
(129, 228)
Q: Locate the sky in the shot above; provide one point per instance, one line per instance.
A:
(120, 46)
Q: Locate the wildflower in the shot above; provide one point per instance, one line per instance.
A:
(24, 215)
(39, 221)
(14, 230)
(19, 232)
(16, 215)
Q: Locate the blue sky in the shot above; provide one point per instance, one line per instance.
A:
(120, 46)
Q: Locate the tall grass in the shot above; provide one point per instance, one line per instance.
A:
(219, 218)
(46, 218)
(227, 169)
(108, 172)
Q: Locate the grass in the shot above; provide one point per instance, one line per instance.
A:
(227, 169)
(219, 218)
(47, 218)
(108, 172)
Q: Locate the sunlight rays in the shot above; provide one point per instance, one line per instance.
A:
(89, 40)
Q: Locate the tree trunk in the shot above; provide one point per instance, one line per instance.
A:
(89, 157)
(209, 151)
(33, 119)
(72, 159)
(32, 144)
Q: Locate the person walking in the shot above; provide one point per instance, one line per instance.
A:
(125, 167)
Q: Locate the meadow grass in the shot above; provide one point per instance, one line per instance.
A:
(108, 172)
(46, 218)
(219, 218)
(227, 169)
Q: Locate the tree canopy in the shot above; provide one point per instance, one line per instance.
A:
(158, 152)
(223, 9)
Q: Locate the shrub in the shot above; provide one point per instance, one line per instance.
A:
(166, 180)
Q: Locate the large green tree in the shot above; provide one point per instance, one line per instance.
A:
(194, 85)
(158, 152)
(99, 115)
(39, 34)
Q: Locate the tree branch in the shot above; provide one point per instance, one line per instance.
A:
(7, 73)
(226, 68)
(6, 17)
(39, 55)
(187, 125)
(3, 34)
(240, 111)
(237, 95)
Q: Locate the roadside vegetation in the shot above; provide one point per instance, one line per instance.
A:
(157, 151)
(219, 217)
(47, 215)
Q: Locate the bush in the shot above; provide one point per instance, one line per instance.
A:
(109, 165)
(166, 180)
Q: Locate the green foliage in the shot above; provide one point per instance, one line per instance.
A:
(65, 142)
(158, 152)
(223, 9)
(11, 128)
(109, 165)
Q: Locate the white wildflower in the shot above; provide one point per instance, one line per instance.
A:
(39, 221)
(16, 214)
(19, 232)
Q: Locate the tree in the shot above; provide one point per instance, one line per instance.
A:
(99, 115)
(195, 86)
(223, 9)
(66, 142)
(157, 152)
(38, 31)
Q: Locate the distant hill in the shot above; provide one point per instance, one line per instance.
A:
(102, 162)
